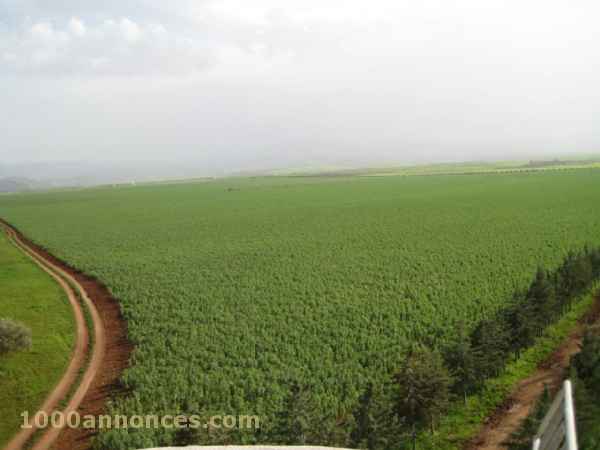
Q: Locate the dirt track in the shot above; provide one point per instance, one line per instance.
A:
(78, 357)
(509, 416)
(109, 355)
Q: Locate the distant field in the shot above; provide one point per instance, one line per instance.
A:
(235, 288)
(483, 168)
(30, 296)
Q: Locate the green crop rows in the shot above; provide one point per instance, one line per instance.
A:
(234, 289)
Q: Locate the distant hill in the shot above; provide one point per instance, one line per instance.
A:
(45, 175)
(15, 184)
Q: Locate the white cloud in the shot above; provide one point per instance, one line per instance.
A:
(158, 30)
(42, 30)
(77, 27)
(131, 30)
(113, 46)
(99, 63)
(45, 32)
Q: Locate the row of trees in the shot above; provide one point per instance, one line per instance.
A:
(483, 353)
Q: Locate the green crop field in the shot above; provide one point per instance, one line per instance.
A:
(234, 289)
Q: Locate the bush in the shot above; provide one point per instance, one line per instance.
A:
(13, 336)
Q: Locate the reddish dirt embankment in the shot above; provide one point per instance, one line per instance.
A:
(507, 418)
(107, 361)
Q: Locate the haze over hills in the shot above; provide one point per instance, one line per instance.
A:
(44, 175)
(49, 174)
(15, 184)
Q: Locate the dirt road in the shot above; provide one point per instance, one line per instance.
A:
(78, 359)
(106, 360)
(509, 416)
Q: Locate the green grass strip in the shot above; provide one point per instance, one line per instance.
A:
(30, 296)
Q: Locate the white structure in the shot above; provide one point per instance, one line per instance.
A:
(557, 430)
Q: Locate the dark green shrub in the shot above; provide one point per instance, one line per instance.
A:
(13, 336)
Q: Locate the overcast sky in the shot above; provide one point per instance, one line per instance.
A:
(248, 84)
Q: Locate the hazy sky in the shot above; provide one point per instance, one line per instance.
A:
(271, 83)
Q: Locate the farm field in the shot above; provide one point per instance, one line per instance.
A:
(463, 168)
(31, 297)
(235, 289)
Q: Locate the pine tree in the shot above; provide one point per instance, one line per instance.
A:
(491, 339)
(518, 317)
(595, 262)
(585, 375)
(576, 275)
(294, 423)
(375, 426)
(587, 361)
(461, 359)
(583, 273)
(362, 435)
(422, 389)
(540, 297)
